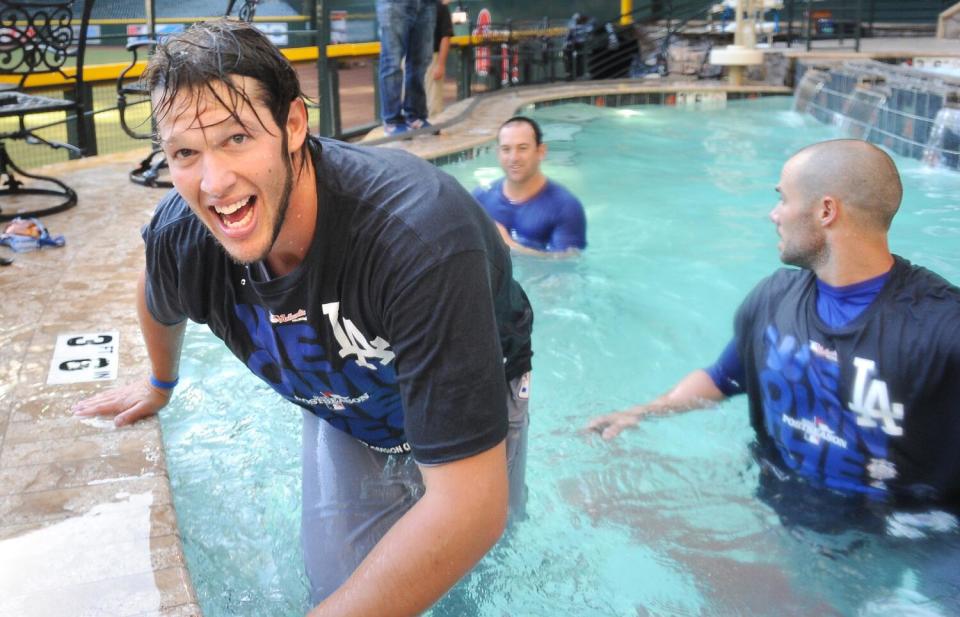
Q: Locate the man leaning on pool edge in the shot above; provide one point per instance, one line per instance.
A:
(383, 306)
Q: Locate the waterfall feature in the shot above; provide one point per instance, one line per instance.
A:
(861, 112)
(943, 147)
(907, 110)
(809, 89)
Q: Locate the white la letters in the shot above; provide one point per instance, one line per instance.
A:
(871, 400)
(353, 343)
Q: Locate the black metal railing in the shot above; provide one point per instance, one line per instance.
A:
(525, 52)
(849, 21)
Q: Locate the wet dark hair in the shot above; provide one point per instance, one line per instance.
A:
(537, 132)
(218, 51)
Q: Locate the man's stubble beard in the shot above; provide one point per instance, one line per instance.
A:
(283, 204)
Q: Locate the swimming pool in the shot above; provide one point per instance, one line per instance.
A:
(674, 518)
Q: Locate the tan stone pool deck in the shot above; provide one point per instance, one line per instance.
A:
(87, 525)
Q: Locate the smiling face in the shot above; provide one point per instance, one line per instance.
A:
(802, 238)
(233, 169)
(519, 154)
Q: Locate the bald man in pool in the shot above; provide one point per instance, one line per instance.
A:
(851, 360)
(367, 288)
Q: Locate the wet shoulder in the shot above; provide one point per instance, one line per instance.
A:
(395, 188)
(926, 297)
(562, 194)
(915, 282)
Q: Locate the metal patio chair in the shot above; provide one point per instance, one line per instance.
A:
(37, 39)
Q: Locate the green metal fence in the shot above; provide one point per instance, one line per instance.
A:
(535, 45)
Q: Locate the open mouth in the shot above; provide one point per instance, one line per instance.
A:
(236, 215)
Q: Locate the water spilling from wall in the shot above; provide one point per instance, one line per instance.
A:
(910, 111)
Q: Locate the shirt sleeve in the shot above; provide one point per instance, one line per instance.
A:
(443, 329)
(161, 286)
(571, 229)
(727, 372)
(444, 22)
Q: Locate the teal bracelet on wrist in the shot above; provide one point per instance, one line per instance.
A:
(164, 385)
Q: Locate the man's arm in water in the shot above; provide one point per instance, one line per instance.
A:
(526, 250)
(695, 391)
(459, 518)
(140, 399)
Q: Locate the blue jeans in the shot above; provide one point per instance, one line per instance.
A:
(406, 35)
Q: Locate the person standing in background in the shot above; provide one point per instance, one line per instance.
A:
(438, 66)
(405, 34)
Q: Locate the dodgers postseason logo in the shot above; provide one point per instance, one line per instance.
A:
(359, 397)
(818, 433)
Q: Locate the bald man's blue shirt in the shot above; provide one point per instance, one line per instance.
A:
(836, 306)
(552, 220)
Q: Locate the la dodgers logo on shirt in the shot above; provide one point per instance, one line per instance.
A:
(871, 400)
(353, 343)
(358, 395)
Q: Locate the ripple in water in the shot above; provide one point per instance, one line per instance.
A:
(676, 517)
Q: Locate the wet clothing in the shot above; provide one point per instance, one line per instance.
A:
(401, 327)
(398, 333)
(352, 495)
(836, 306)
(551, 220)
(870, 407)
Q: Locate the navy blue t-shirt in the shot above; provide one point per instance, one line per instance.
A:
(871, 406)
(402, 325)
(551, 220)
(836, 306)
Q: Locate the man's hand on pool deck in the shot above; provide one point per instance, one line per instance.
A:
(128, 403)
(695, 391)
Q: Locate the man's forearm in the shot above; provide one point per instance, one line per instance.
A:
(430, 548)
(695, 391)
(143, 397)
(443, 52)
(516, 246)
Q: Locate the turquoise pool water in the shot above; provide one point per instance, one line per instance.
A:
(669, 520)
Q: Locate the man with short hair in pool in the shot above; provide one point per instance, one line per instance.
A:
(363, 285)
(851, 363)
(534, 214)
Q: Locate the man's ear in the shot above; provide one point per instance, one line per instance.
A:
(542, 150)
(297, 125)
(829, 210)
